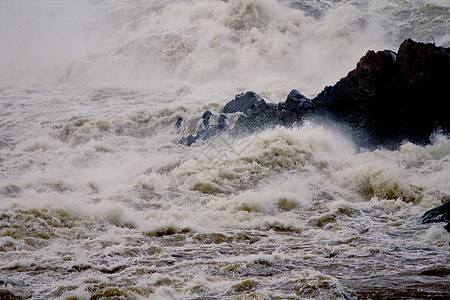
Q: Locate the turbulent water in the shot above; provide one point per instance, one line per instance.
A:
(98, 199)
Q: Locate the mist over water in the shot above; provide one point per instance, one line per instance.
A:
(268, 46)
(98, 199)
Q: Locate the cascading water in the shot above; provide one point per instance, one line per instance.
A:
(98, 199)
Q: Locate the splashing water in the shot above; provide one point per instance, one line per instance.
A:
(98, 200)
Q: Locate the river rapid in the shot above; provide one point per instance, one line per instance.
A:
(98, 200)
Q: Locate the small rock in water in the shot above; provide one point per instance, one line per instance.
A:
(244, 102)
(178, 124)
(438, 214)
(297, 102)
(7, 295)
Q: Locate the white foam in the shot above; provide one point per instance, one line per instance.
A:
(92, 175)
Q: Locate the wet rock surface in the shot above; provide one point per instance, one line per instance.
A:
(7, 295)
(254, 114)
(393, 97)
(388, 98)
(438, 214)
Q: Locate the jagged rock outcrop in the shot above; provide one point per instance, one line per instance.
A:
(388, 98)
(206, 129)
(255, 114)
(262, 115)
(245, 103)
(438, 214)
(393, 97)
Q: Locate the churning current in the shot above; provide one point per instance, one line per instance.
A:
(98, 200)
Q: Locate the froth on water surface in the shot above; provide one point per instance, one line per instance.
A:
(98, 199)
(289, 213)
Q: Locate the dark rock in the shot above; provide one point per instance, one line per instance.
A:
(393, 97)
(438, 214)
(8, 295)
(244, 102)
(207, 130)
(178, 124)
(387, 99)
(206, 116)
(297, 102)
(256, 114)
(222, 121)
(261, 115)
(188, 140)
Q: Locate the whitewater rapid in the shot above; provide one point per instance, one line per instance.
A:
(98, 198)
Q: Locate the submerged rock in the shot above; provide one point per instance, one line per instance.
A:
(388, 97)
(438, 214)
